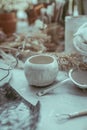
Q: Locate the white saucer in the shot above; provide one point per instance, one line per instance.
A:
(79, 78)
(3, 73)
(80, 50)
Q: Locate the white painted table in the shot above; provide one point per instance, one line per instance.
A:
(64, 99)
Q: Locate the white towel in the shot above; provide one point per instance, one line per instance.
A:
(82, 32)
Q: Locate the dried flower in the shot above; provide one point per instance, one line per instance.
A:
(9, 5)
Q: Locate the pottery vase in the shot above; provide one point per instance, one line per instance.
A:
(8, 22)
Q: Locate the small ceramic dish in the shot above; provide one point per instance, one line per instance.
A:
(41, 70)
(79, 78)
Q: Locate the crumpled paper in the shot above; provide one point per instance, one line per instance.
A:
(16, 113)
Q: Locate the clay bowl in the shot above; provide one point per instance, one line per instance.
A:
(41, 70)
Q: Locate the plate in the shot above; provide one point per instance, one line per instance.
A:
(80, 50)
(4, 73)
(79, 78)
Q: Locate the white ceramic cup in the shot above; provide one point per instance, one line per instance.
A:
(41, 70)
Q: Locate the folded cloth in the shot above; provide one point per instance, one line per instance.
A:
(82, 33)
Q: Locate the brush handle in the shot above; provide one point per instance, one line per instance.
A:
(78, 114)
(70, 11)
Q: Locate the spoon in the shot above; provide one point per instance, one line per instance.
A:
(44, 92)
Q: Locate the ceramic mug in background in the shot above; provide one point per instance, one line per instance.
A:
(41, 70)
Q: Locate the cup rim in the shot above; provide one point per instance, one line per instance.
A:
(74, 81)
(41, 55)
